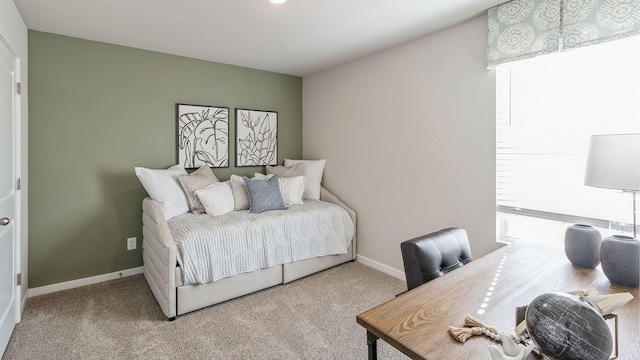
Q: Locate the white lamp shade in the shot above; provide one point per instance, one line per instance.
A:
(614, 162)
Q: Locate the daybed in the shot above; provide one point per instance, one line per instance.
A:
(166, 279)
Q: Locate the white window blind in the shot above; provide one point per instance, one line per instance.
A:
(547, 108)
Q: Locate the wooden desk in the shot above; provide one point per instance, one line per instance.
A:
(416, 322)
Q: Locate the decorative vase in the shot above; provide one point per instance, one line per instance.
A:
(620, 257)
(582, 245)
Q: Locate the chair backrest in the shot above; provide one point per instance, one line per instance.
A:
(430, 256)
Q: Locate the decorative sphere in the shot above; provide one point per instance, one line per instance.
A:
(566, 327)
(620, 256)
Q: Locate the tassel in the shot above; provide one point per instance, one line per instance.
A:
(470, 321)
(462, 334)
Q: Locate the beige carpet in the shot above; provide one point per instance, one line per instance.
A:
(312, 318)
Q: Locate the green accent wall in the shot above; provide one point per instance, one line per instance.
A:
(98, 110)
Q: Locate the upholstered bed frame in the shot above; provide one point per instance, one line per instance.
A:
(164, 276)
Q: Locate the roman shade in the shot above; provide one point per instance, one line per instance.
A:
(522, 29)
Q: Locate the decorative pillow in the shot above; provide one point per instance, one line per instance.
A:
(197, 180)
(262, 176)
(163, 186)
(240, 194)
(216, 198)
(286, 171)
(313, 170)
(291, 188)
(264, 195)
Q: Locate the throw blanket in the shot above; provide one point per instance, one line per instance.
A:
(214, 247)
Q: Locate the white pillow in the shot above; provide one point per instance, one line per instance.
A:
(313, 170)
(217, 198)
(291, 188)
(262, 176)
(240, 194)
(163, 186)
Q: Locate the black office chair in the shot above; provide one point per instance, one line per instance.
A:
(430, 256)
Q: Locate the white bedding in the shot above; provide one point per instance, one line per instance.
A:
(211, 248)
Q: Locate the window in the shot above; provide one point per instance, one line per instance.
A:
(547, 108)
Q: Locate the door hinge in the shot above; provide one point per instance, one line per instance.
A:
(19, 88)
(19, 279)
(19, 183)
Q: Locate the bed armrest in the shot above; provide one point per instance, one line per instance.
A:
(159, 256)
(326, 195)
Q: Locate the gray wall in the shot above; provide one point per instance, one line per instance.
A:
(96, 111)
(409, 139)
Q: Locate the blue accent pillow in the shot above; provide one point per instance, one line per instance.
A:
(264, 195)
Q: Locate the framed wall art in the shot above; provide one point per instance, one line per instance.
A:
(203, 136)
(256, 137)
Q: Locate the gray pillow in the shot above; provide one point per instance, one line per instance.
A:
(239, 191)
(264, 195)
(286, 171)
(197, 180)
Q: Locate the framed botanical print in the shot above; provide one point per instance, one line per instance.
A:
(256, 137)
(203, 136)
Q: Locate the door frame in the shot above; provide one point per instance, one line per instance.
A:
(14, 35)
(17, 166)
(17, 140)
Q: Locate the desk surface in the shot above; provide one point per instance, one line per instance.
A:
(489, 289)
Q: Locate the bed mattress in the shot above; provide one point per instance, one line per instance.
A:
(210, 248)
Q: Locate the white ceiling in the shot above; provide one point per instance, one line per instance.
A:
(299, 37)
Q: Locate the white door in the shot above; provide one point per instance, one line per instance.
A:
(9, 302)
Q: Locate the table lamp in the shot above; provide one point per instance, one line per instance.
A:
(614, 163)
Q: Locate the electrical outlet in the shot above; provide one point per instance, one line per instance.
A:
(131, 243)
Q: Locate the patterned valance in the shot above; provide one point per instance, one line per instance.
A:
(521, 29)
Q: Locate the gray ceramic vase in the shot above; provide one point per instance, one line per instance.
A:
(620, 256)
(582, 245)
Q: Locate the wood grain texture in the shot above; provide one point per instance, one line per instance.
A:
(416, 322)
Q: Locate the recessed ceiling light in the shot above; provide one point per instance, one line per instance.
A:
(278, 1)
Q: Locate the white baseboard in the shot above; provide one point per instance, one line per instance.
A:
(23, 302)
(83, 282)
(381, 267)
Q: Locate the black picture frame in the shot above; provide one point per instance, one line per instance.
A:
(256, 137)
(202, 134)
